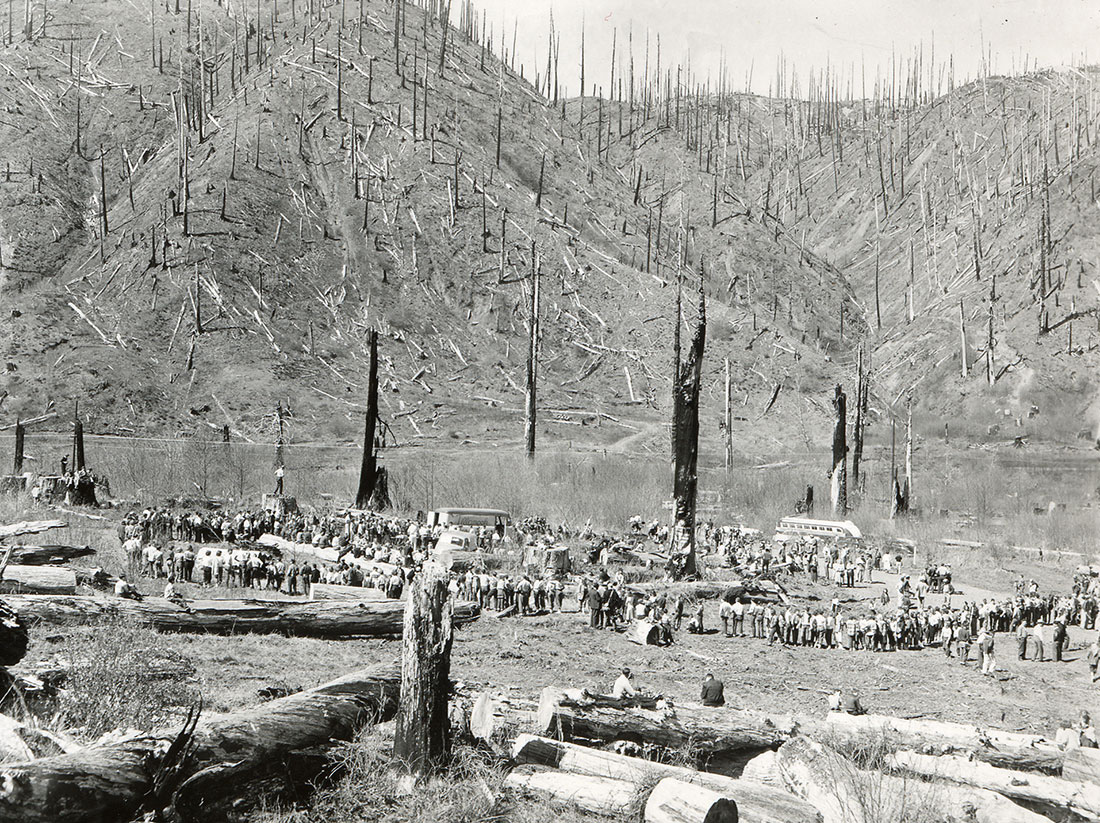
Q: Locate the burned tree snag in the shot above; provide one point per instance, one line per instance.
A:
(962, 341)
(728, 422)
(20, 435)
(838, 476)
(685, 440)
(422, 737)
(907, 491)
(860, 421)
(368, 471)
(531, 404)
(78, 441)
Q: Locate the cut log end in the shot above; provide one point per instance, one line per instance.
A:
(674, 801)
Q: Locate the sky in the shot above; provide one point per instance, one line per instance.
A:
(858, 36)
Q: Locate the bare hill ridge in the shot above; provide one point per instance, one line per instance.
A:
(271, 195)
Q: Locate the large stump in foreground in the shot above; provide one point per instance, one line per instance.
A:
(422, 735)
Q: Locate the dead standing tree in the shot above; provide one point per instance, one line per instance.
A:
(838, 476)
(372, 491)
(531, 400)
(20, 436)
(422, 738)
(685, 439)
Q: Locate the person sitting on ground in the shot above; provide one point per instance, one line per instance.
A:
(845, 702)
(172, 594)
(623, 687)
(714, 691)
(124, 589)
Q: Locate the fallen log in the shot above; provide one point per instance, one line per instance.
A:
(755, 591)
(44, 580)
(673, 801)
(844, 793)
(597, 795)
(756, 803)
(31, 527)
(116, 781)
(1051, 796)
(48, 555)
(709, 730)
(357, 594)
(1010, 750)
(1082, 766)
(330, 619)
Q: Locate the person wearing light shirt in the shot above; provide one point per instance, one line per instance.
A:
(623, 687)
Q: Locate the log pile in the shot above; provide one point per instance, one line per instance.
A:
(328, 619)
(756, 803)
(930, 769)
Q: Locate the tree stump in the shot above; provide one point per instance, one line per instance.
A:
(422, 737)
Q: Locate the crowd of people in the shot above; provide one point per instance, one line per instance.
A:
(379, 551)
(213, 548)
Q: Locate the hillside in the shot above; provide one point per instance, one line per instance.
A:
(263, 212)
(276, 186)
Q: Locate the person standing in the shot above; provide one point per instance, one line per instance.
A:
(738, 614)
(1058, 639)
(985, 646)
(725, 615)
(593, 607)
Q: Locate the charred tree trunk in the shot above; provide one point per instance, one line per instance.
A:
(685, 442)
(907, 491)
(48, 555)
(531, 403)
(728, 422)
(860, 422)
(422, 737)
(368, 471)
(20, 435)
(839, 474)
(78, 444)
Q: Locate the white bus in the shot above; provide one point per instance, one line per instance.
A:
(809, 527)
(469, 519)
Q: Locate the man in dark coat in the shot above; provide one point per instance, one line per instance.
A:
(714, 691)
